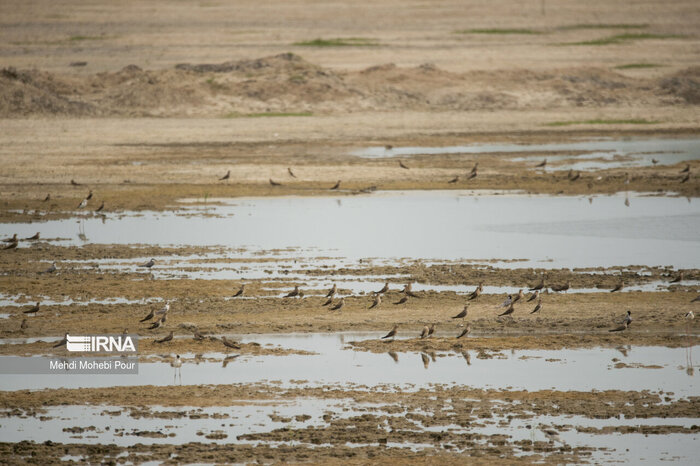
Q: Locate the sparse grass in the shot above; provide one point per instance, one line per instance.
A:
(623, 38)
(606, 26)
(81, 38)
(339, 42)
(498, 31)
(639, 121)
(632, 66)
(214, 85)
(267, 114)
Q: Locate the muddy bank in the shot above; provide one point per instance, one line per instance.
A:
(20, 453)
(440, 399)
(25, 202)
(485, 345)
(656, 315)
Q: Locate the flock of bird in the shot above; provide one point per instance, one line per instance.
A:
(571, 174)
(508, 304)
(157, 319)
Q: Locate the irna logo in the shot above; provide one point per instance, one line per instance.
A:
(102, 343)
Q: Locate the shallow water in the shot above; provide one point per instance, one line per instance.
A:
(549, 232)
(116, 425)
(611, 153)
(580, 369)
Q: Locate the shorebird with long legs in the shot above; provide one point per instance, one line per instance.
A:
(508, 311)
(148, 264)
(424, 332)
(477, 292)
(626, 322)
(63, 342)
(149, 316)
(339, 306)
(465, 332)
(534, 296)
(33, 310)
(401, 301)
(52, 268)
(294, 293)
(376, 302)
(407, 291)
(462, 315)
(506, 302)
(166, 339)
(618, 287)
(392, 333)
(240, 291)
(539, 286)
(230, 344)
(518, 296)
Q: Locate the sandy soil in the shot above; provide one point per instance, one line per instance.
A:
(147, 103)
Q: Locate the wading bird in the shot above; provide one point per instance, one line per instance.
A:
(33, 310)
(149, 264)
(392, 333)
(165, 339)
(462, 315)
(508, 311)
(465, 332)
(376, 302)
(339, 306)
(239, 292)
(230, 344)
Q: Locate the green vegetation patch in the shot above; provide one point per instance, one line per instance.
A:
(267, 114)
(632, 66)
(605, 26)
(498, 31)
(639, 121)
(81, 38)
(339, 42)
(623, 38)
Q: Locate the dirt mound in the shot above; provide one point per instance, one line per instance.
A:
(34, 93)
(288, 83)
(684, 84)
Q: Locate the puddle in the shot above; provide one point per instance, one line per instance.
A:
(172, 425)
(611, 153)
(551, 232)
(580, 369)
